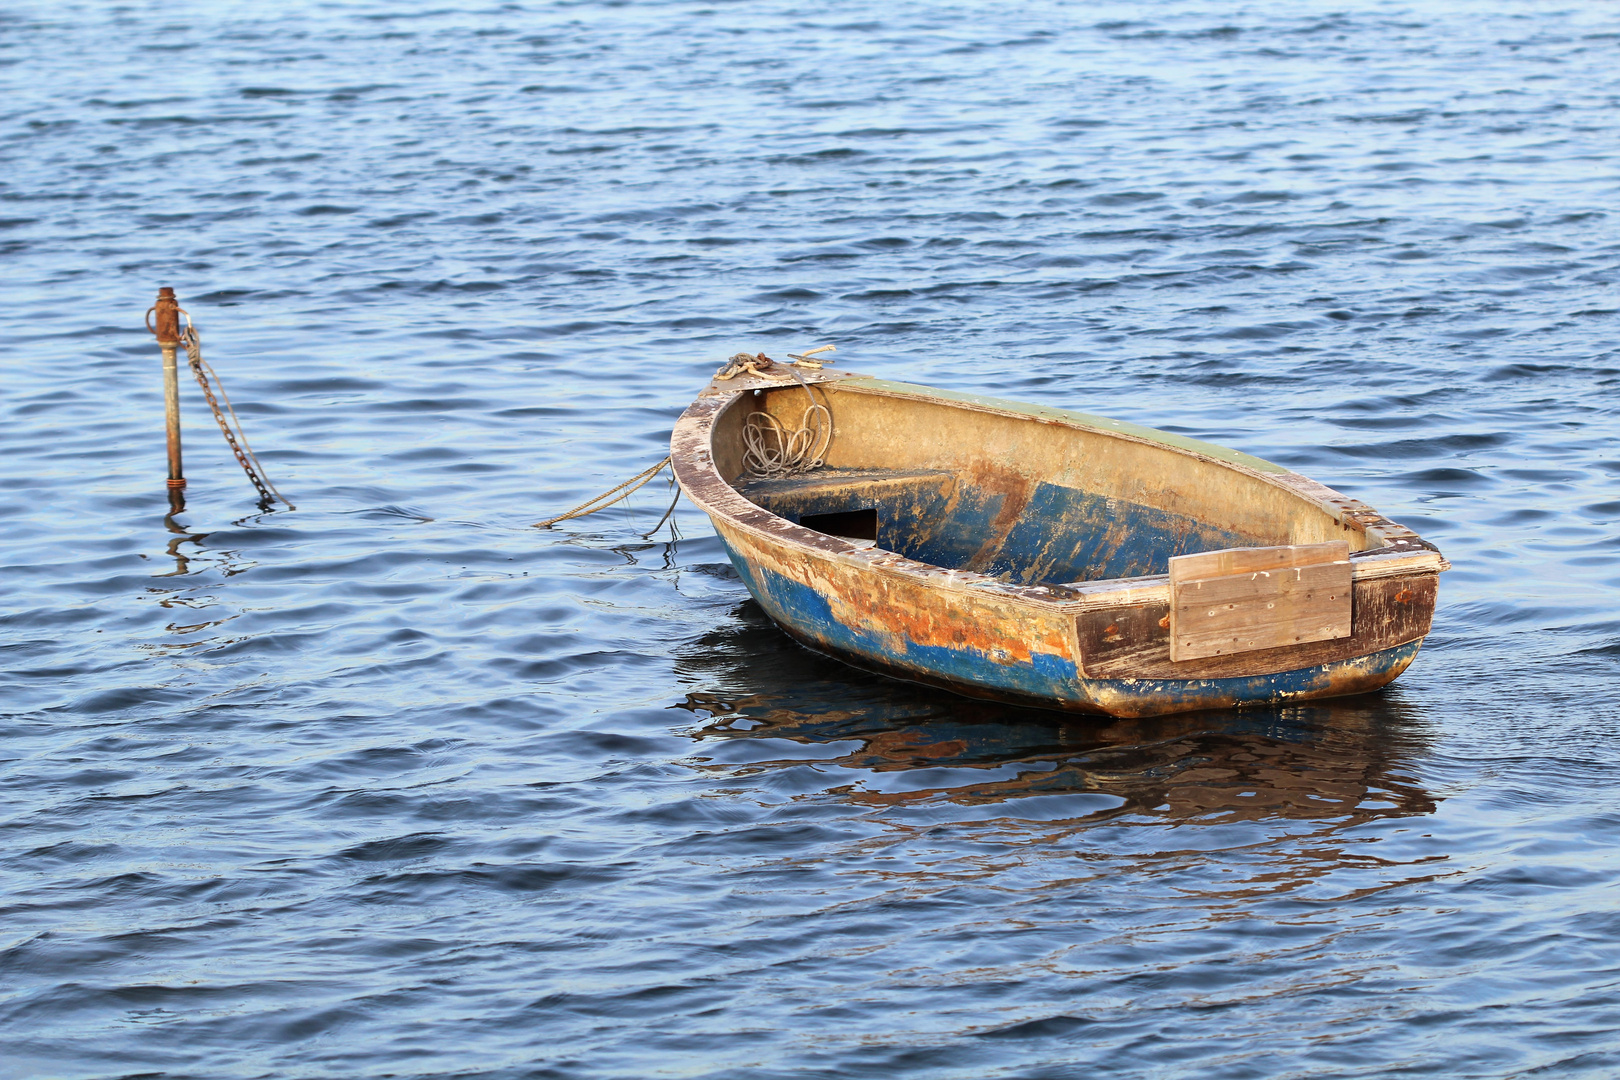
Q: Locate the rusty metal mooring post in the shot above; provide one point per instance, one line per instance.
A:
(167, 329)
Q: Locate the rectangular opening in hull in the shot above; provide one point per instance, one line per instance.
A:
(854, 524)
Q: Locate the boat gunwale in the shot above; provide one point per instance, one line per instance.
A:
(1402, 551)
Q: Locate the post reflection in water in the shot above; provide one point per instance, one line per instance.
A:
(1330, 765)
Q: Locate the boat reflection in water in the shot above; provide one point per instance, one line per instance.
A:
(770, 704)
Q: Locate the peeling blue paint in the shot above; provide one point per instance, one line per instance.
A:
(1062, 534)
(1065, 534)
(806, 611)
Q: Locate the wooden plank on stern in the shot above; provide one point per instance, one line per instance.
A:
(1245, 599)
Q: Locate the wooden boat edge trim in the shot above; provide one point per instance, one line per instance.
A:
(1155, 588)
(1349, 513)
(1101, 424)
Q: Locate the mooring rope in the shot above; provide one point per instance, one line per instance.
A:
(237, 440)
(770, 449)
(674, 529)
(591, 506)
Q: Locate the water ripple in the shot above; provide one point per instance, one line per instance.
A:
(397, 785)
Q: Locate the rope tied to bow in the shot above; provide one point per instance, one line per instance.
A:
(770, 450)
(612, 495)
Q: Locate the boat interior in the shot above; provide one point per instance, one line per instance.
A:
(1024, 498)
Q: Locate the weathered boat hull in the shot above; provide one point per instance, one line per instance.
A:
(1101, 646)
(979, 648)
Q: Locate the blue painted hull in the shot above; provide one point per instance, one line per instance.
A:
(1046, 680)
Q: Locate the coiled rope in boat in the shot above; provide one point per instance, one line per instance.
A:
(771, 451)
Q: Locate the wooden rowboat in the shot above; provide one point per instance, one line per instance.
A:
(1035, 555)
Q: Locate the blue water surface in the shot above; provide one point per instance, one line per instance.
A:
(396, 785)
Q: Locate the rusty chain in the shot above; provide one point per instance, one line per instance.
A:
(235, 439)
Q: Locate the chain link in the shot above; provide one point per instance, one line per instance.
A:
(244, 454)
